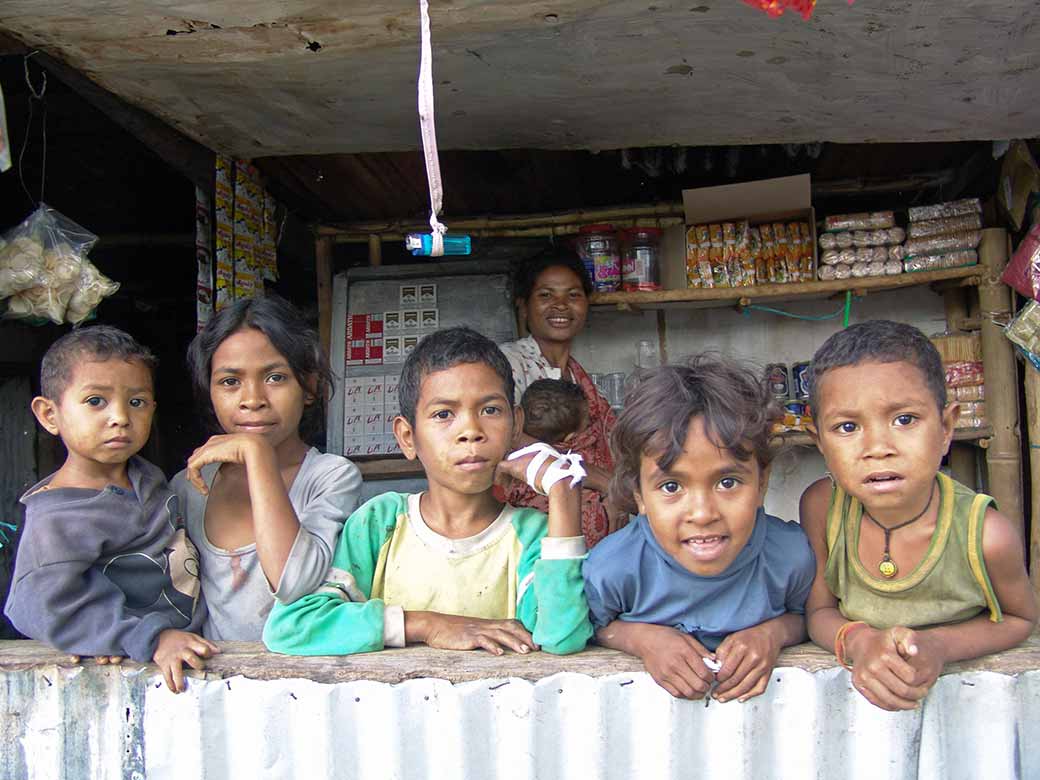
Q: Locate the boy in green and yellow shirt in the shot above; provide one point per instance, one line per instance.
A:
(452, 567)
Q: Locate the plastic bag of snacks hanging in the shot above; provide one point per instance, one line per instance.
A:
(1023, 272)
(44, 268)
(1024, 330)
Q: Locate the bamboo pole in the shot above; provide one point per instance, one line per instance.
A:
(962, 456)
(1003, 457)
(515, 225)
(375, 250)
(323, 263)
(1033, 419)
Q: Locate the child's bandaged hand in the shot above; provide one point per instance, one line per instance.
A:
(454, 632)
(748, 658)
(225, 448)
(888, 667)
(181, 647)
(675, 660)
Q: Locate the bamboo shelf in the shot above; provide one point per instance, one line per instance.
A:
(966, 276)
(980, 436)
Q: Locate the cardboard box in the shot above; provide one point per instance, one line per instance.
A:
(787, 199)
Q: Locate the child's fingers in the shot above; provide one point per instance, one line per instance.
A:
(202, 647)
(517, 629)
(886, 691)
(905, 640)
(194, 661)
(745, 683)
(510, 640)
(194, 476)
(173, 675)
(74, 659)
(487, 643)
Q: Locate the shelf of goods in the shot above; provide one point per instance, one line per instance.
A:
(966, 276)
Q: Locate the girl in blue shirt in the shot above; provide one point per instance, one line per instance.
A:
(704, 586)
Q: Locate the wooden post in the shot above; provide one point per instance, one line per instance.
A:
(323, 263)
(1033, 420)
(962, 454)
(1004, 454)
(375, 250)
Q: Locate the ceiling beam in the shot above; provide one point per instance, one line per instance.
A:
(188, 157)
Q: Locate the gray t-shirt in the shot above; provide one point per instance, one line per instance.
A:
(324, 493)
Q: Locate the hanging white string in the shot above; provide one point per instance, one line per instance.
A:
(429, 132)
(34, 95)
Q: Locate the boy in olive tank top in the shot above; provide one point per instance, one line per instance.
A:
(914, 570)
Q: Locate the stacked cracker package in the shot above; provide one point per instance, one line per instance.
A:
(943, 235)
(962, 361)
(737, 254)
(864, 244)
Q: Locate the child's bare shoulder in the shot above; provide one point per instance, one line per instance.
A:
(814, 503)
(1001, 540)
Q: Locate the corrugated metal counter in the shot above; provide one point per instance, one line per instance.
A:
(421, 713)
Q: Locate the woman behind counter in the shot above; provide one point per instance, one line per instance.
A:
(552, 292)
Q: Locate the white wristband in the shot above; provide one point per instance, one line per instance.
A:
(569, 465)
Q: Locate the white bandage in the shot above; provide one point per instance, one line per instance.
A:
(563, 466)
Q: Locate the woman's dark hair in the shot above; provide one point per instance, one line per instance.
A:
(527, 272)
(289, 333)
(443, 349)
(880, 341)
(733, 399)
(96, 342)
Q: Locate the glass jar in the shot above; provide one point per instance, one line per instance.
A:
(640, 259)
(598, 247)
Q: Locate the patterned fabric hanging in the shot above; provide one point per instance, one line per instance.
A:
(777, 7)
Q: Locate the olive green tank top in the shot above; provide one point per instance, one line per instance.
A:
(949, 585)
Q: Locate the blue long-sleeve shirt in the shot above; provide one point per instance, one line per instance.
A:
(629, 576)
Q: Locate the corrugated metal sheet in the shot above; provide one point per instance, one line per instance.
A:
(99, 723)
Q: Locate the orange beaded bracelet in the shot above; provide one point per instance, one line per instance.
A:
(839, 641)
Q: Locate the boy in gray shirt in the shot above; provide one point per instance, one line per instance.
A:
(104, 567)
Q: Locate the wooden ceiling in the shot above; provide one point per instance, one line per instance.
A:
(304, 77)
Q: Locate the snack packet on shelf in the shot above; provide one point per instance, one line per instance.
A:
(794, 253)
(937, 262)
(936, 227)
(955, 208)
(967, 393)
(704, 256)
(807, 251)
(946, 242)
(861, 221)
(693, 277)
(716, 255)
(758, 255)
(963, 372)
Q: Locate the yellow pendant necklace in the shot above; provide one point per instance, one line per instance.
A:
(887, 566)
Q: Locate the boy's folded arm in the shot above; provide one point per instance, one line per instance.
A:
(323, 624)
(340, 617)
(77, 609)
(551, 599)
(321, 523)
(1002, 549)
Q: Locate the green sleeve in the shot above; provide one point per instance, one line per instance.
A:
(340, 617)
(552, 603)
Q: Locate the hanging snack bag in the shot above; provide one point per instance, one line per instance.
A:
(42, 265)
(1023, 272)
